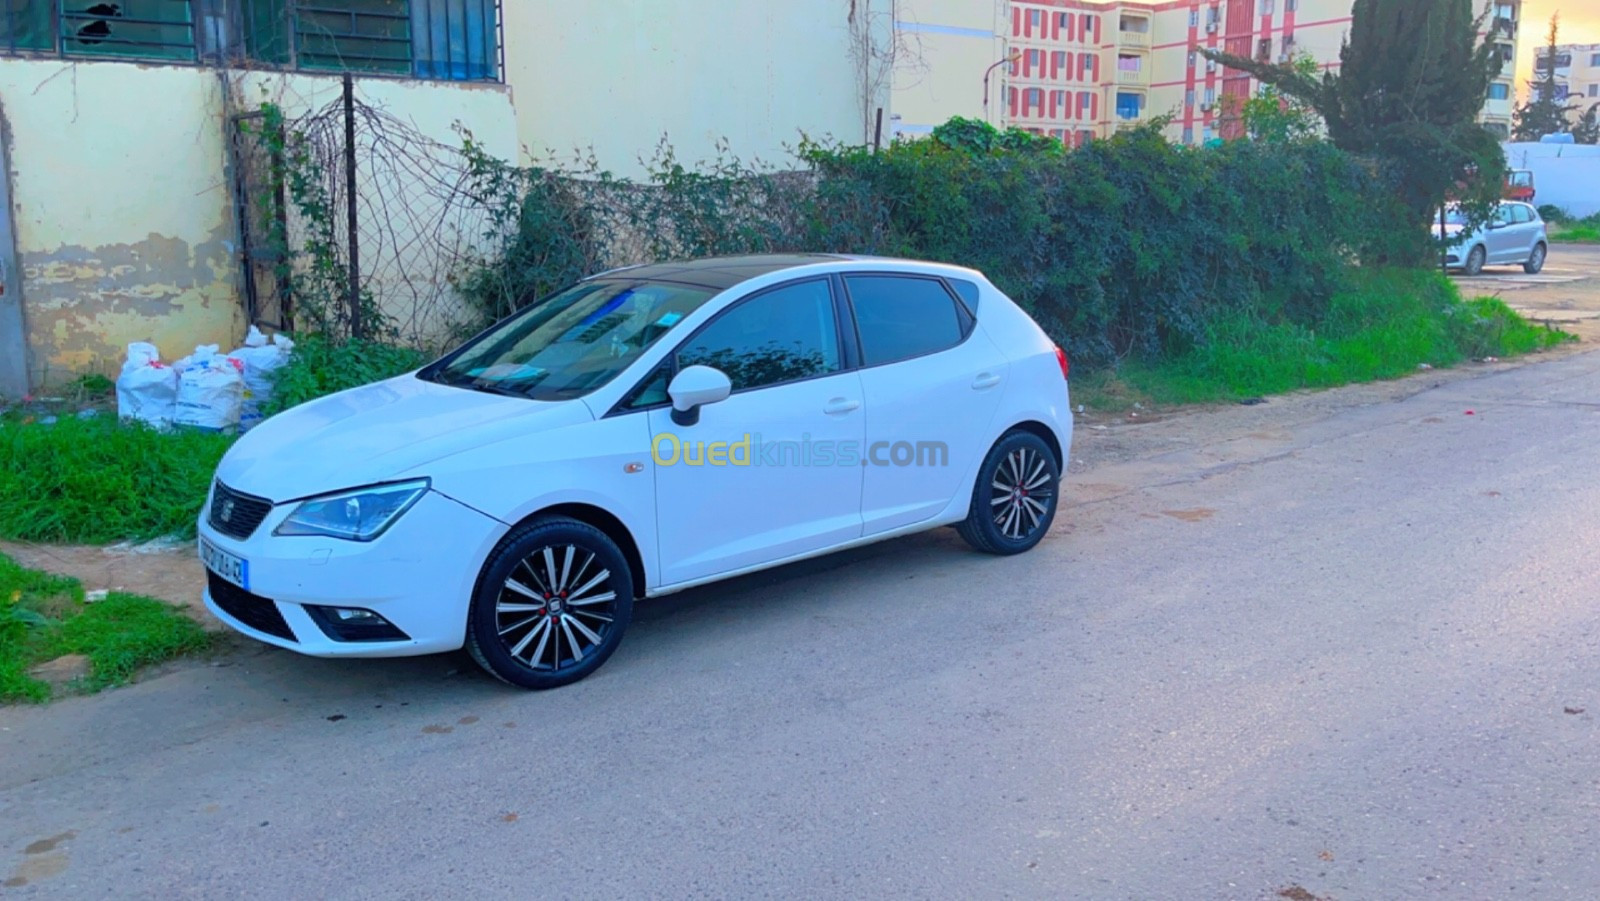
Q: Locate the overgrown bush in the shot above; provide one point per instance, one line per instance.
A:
(322, 365)
(1126, 246)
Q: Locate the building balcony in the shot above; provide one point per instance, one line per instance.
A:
(1140, 39)
(1135, 77)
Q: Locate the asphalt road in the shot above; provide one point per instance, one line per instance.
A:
(1355, 658)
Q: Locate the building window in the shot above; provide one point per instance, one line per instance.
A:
(147, 29)
(1594, 90)
(1264, 49)
(1086, 34)
(1188, 97)
(1036, 18)
(1290, 6)
(1194, 58)
(1266, 7)
(1059, 66)
(455, 40)
(1188, 135)
(1128, 105)
(1211, 96)
(1064, 20)
(1036, 100)
(1499, 91)
(1594, 60)
(1194, 18)
(1498, 129)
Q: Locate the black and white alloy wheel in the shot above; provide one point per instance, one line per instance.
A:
(551, 604)
(1014, 500)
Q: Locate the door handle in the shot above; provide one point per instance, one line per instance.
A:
(985, 380)
(840, 406)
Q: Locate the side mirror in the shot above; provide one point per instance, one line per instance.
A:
(695, 387)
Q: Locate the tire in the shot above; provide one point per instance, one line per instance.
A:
(1475, 260)
(1536, 262)
(551, 604)
(1017, 474)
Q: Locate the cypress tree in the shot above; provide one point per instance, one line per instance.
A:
(1412, 81)
(1543, 114)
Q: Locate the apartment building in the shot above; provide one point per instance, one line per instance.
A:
(1577, 74)
(1081, 69)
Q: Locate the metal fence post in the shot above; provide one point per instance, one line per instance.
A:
(350, 205)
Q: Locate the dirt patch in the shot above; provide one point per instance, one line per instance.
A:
(166, 571)
(1195, 515)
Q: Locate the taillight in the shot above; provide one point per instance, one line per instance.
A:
(1066, 365)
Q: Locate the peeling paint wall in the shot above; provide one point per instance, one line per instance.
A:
(123, 212)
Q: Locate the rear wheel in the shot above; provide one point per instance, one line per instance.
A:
(551, 604)
(1475, 260)
(1014, 500)
(1536, 262)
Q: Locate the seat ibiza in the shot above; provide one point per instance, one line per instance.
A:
(644, 431)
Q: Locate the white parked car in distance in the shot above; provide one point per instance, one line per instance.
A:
(1515, 235)
(646, 430)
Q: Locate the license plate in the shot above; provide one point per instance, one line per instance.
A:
(226, 565)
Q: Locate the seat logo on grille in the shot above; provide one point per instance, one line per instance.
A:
(226, 513)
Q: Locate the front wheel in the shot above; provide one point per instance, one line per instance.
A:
(551, 604)
(1475, 260)
(1535, 262)
(1014, 500)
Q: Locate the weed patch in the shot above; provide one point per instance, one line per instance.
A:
(96, 481)
(43, 617)
(1383, 325)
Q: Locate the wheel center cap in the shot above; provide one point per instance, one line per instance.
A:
(555, 605)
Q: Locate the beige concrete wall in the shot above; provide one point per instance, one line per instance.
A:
(618, 76)
(949, 44)
(121, 203)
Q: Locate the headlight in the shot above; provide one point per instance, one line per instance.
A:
(359, 515)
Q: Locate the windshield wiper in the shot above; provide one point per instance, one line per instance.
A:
(492, 388)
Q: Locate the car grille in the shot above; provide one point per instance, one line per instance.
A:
(255, 611)
(236, 515)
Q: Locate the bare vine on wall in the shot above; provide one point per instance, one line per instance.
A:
(418, 222)
(878, 49)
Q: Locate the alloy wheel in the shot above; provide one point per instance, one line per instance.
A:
(556, 607)
(1021, 493)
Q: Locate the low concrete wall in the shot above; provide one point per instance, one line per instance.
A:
(1565, 175)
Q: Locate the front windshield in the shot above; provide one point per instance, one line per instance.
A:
(1455, 217)
(573, 342)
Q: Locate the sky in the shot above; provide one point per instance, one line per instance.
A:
(1580, 24)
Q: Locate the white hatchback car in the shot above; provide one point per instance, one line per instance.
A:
(643, 431)
(1514, 235)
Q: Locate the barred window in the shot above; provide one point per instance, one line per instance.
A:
(456, 40)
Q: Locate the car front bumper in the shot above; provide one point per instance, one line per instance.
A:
(418, 575)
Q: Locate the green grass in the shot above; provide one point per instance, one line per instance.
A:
(1578, 233)
(1383, 326)
(97, 481)
(43, 617)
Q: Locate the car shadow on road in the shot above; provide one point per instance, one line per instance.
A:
(761, 605)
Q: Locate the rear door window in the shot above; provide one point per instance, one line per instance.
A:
(899, 317)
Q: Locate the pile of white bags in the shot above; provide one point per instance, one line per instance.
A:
(205, 390)
(210, 390)
(147, 389)
(260, 360)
